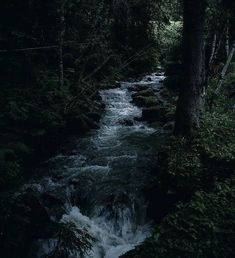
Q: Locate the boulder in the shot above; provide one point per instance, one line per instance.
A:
(138, 87)
(165, 93)
(74, 182)
(138, 119)
(145, 101)
(143, 93)
(126, 122)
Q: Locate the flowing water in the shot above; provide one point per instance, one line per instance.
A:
(100, 182)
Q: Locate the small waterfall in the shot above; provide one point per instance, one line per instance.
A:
(101, 183)
(115, 234)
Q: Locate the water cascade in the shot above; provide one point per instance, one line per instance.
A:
(100, 182)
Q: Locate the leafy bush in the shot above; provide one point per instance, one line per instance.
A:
(202, 170)
(188, 166)
(180, 168)
(71, 241)
(216, 137)
(203, 228)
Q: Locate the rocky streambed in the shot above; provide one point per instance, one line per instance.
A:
(98, 184)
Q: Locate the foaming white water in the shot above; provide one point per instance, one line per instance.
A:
(107, 175)
(114, 236)
(116, 229)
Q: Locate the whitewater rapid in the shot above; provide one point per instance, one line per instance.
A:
(101, 181)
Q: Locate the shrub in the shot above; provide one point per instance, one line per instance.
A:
(203, 228)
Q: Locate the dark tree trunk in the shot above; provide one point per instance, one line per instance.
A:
(190, 103)
(61, 42)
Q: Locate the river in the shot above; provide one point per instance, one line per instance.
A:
(100, 182)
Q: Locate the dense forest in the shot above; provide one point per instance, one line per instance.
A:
(117, 128)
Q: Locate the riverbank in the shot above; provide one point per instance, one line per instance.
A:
(97, 186)
(111, 182)
(36, 123)
(192, 193)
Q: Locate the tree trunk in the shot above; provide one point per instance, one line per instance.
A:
(227, 40)
(226, 66)
(213, 49)
(190, 103)
(61, 42)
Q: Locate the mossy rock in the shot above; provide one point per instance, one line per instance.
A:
(145, 101)
(138, 87)
(143, 93)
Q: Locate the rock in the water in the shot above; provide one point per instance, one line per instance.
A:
(145, 101)
(138, 87)
(138, 119)
(165, 93)
(144, 93)
(126, 122)
(145, 98)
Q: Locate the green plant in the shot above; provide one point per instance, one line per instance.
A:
(202, 228)
(71, 240)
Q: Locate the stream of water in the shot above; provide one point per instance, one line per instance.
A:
(101, 181)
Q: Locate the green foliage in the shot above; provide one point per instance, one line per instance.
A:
(198, 172)
(200, 228)
(71, 240)
(187, 166)
(181, 171)
(23, 219)
(204, 228)
(33, 120)
(171, 37)
(217, 136)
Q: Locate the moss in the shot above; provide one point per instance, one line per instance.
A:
(145, 101)
(144, 93)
